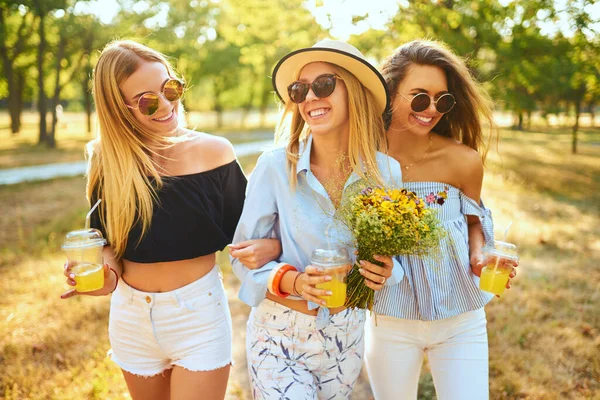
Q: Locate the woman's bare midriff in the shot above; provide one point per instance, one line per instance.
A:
(166, 276)
(300, 305)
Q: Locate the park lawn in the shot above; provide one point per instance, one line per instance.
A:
(544, 333)
(22, 149)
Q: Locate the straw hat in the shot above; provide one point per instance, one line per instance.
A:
(334, 52)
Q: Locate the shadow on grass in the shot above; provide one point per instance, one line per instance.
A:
(565, 177)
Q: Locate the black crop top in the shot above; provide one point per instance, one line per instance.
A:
(196, 215)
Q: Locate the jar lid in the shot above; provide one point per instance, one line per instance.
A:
(503, 249)
(330, 257)
(83, 238)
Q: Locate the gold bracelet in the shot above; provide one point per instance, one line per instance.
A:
(117, 282)
(294, 285)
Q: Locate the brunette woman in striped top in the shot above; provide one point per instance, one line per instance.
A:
(436, 133)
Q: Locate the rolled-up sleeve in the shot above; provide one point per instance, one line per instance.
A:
(258, 221)
(468, 206)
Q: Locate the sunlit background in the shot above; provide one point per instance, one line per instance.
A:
(539, 60)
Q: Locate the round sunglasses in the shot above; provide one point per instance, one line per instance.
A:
(421, 102)
(148, 103)
(322, 87)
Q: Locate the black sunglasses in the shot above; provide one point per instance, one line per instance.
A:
(422, 101)
(322, 86)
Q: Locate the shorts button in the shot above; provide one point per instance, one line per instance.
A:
(148, 299)
(209, 293)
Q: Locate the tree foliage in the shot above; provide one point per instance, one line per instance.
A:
(226, 49)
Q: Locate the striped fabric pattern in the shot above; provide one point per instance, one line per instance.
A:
(440, 286)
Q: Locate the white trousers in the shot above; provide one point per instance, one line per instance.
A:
(456, 347)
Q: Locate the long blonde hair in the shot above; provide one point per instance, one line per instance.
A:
(473, 104)
(366, 130)
(121, 169)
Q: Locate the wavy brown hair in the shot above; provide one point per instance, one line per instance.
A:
(473, 104)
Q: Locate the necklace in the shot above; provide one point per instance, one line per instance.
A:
(407, 167)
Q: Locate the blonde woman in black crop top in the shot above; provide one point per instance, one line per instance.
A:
(171, 198)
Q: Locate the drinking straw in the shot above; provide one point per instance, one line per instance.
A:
(506, 231)
(89, 214)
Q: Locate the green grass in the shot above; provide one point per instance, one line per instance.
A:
(544, 333)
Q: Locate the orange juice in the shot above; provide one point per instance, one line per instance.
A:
(494, 280)
(88, 277)
(336, 263)
(83, 249)
(337, 285)
(496, 273)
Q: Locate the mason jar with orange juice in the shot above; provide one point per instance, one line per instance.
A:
(335, 262)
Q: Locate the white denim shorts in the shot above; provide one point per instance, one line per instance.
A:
(188, 327)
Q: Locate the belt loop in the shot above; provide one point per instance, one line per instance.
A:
(177, 298)
(131, 292)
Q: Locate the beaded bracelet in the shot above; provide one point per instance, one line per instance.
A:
(275, 279)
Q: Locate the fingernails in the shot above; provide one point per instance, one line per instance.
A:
(72, 276)
(362, 263)
(362, 271)
(327, 278)
(329, 293)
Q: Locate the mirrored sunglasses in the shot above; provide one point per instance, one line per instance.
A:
(148, 103)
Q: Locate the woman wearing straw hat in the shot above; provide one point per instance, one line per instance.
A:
(296, 347)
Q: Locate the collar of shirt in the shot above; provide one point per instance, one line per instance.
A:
(389, 168)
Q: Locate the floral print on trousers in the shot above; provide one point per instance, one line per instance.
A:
(289, 358)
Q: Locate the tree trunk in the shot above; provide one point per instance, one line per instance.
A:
(520, 122)
(86, 83)
(15, 79)
(20, 102)
(218, 107)
(40, 66)
(87, 101)
(13, 106)
(13, 96)
(529, 120)
(51, 138)
(265, 94)
(576, 126)
(592, 114)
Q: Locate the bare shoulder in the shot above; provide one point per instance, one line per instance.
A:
(467, 158)
(462, 162)
(208, 151)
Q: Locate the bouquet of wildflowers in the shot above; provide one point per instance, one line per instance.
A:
(387, 222)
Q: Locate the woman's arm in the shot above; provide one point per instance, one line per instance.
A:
(258, 220)
(255, 253)
(472, 188)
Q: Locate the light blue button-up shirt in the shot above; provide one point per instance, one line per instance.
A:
(299, 218)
